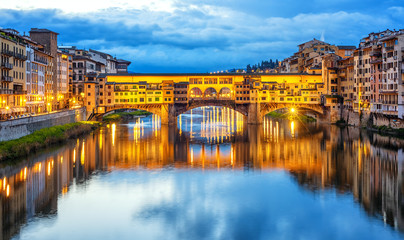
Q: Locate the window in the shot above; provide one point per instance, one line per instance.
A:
(89, 94)
(141, 100)
(149, 99)
(89, 86)
(157, 99)
(89, 103)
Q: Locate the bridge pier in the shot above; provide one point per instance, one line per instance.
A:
(254, 114)
(168, 114)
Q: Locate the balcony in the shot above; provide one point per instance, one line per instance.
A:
(6, 78)
(7, 65)
(7, 52)
(376, 53)
(20, 92)
(389, 48)
(41, 61)
(390, 112)
(20, 56)
(6, 91)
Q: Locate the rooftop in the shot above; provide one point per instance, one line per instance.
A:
(346, 47)
(42, 30)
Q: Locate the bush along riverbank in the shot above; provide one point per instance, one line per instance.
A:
(386, 130)
(114, 117)
(302, 118)
(22, 147)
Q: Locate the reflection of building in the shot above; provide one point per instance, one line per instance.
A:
(347, 160)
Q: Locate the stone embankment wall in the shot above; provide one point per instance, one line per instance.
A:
(17, 128)
(370, 119)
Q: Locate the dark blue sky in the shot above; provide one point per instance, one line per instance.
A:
(202, 35)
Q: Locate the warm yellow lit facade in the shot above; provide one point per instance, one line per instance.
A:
(159, 88)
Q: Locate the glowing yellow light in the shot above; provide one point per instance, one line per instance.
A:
(82, 154)
(8, 191)
(48, 104)
(113, 133)
(49, 169)
(292, 110)
(292, 127)
(7, 107)
(4, 182)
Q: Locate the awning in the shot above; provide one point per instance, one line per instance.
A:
(17, 110)
(5, 111)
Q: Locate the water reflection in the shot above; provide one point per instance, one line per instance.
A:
(367, 166)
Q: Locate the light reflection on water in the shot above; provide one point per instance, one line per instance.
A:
(212, 177)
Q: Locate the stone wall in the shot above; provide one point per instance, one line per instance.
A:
(369, 119)
(17, 128)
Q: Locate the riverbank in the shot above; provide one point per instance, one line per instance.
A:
(382, 130)
(115, 117)
(24, 146)
(388, 131)
(302, 118)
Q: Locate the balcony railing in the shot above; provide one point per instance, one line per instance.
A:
(6, 65)
(7, 52)
(6, 78)
(6, 91)
(20, 92)
(389, 48)
(375, 53)
(20, 56)
(390, 112)
(41, 61)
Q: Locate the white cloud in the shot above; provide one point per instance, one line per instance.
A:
(80, 6)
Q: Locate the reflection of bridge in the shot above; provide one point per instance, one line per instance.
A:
(169, 95)
(253, 113)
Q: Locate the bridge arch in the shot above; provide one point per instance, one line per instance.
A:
(213, 103)
(195, 93)
(210, 94)
(320, 111)
(224, 94)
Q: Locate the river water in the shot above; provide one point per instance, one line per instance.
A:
(211, 177)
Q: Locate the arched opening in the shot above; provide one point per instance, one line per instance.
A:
(117, 114)
(213, 123)
(195, 94)
(210, 94)
(224, 94)
(305, 115)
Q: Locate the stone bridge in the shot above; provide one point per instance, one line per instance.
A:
(253, 112)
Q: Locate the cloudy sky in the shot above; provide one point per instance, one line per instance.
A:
(201, 35)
